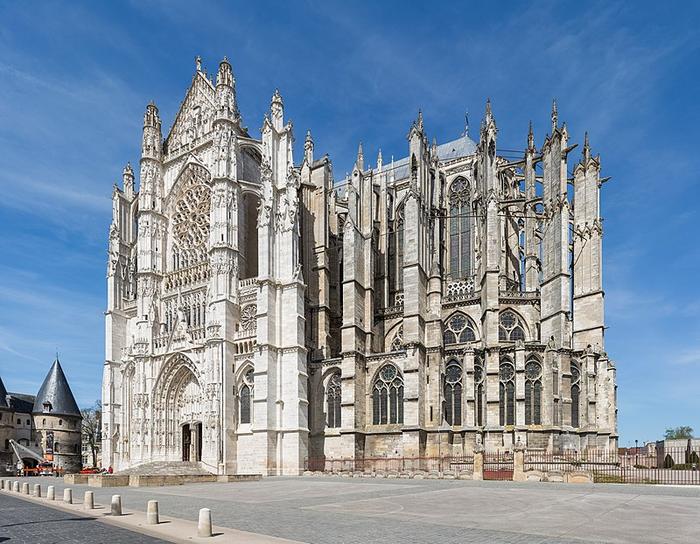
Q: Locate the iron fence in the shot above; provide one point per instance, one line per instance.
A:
(440, 464)
(676, 466)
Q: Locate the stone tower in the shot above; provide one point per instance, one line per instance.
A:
(57, 421)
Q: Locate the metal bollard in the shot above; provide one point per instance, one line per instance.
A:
(2, 484)
(15, 486)
(25, 488)
(89, 500)
(37, 490)
(152, 513)
(51, 493)
(116, 505)
(204, 524)
(68, 495)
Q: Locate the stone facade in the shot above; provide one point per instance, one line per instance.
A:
(261, 312)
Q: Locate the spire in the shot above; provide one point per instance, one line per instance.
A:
(277, 110)
(488, 108)
(555, 116)
(225, 74)
(466, 124)
(380, 161)
(586, 148)
(419, 122)
(151, 118)
(55, 396)
(530, 139)
(198, 63)
(3, 395)
(127, 183)
(360, 161)
(309, 148)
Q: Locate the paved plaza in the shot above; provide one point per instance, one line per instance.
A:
(26, 522)
(332, 510)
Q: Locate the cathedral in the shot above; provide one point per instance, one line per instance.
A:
(261, 313)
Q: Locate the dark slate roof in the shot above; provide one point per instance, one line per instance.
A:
(21, 403)
(3, 395)
(56, 391)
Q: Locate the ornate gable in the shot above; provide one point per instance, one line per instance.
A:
(194, 122)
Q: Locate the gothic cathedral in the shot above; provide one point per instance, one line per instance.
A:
(261, 314)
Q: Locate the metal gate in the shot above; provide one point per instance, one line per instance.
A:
(498, 465)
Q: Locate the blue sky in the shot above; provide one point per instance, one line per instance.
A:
(75, 79)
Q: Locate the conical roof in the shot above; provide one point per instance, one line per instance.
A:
(3, 395)
(55, 393)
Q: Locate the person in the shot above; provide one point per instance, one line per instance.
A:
(110, 470)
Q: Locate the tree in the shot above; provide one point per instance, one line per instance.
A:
(683, 432)
(91, 429)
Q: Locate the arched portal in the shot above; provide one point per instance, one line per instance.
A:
(181, 411)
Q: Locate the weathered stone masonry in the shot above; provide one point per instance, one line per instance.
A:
(261, 312)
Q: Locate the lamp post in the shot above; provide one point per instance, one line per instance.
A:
(636, 453)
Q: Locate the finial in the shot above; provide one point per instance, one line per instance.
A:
(488, 107)
(198, 63)
(420, 119)
(466, 123)
(380, 161)
(530, 138)
(554, 115)
(308, 136)
(586, 148)
(360, 157)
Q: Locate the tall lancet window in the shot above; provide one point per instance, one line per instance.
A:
(575, 396)
(479, 397)
(333, 398)
(533, 393)
(506, 375)
(395, 250)
(460, 229)
(245, 397)
(453, 392)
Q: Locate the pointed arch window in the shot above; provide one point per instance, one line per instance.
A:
(575, 396)
(453, 393)
(245, 397)
(458, 329)
(478, 393)
(395, 252)
(460, 229)
(533, 393)
(510, 328)
(333, 398)
(506, 375)
(387, 396)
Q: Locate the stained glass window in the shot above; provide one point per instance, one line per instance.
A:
(333, 398)
(387, 396)
(458, 329)
(453, 392)
(506, 376)
(460, 229)
(533, 392)
(510, 328)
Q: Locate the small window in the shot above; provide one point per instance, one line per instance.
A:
(19, 422)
